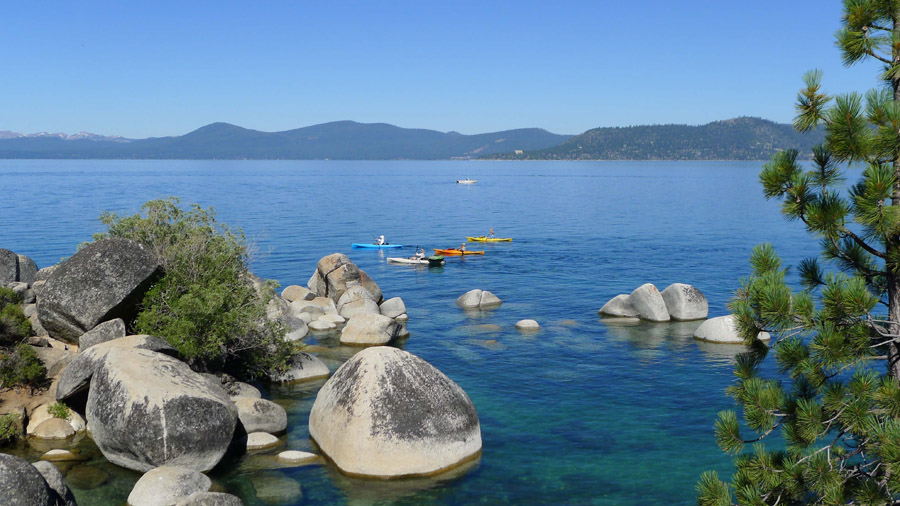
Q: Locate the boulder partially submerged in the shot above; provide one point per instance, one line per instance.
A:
(723, 329)
(478, 299)
(678, 301)
(387, 413)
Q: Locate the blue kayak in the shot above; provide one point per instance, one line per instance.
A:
(376, 246)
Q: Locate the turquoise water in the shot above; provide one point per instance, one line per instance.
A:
(583, 412)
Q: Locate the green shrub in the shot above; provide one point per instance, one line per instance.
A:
(14, 325)
(8, 296)
(203, 304)
(9, 428)
(59, 410)
(22, 367)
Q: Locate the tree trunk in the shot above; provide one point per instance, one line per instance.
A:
(893, 243)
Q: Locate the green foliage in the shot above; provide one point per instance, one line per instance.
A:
(14, 325)
(7, 297)
(837, 343)
(9, 428)
(205, 304)
(21, 367)
(59, 410)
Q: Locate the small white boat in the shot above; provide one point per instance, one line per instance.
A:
(433, 260)
(466, 181)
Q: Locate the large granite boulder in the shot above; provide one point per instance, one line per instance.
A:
(303, 367)
(9, 267)
(723, 329)
(106, 331)
(649, 303)
(356, 300)
(77, 375)
(387, 413)
(103, 281)
(644, 302)
(55, 480)
(21, 484)
(685, 302)
(167, 485)
(27, 270)
(369, 329)
(260, 415)
(478, 299)
(146, 409)
(371, 286)
(619, 306)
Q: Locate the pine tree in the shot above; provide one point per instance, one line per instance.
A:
(836, 402)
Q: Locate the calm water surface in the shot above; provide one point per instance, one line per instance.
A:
(583, 412)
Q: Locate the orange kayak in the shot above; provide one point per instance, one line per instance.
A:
(457, 252)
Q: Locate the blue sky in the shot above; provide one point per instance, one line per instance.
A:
(143, 69)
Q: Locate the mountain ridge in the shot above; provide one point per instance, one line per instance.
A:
(334, 140)
(741, 138)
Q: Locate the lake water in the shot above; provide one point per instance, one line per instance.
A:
(583, 412)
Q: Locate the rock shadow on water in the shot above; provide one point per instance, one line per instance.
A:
(720, 353)
(651, 335)
(366, 492)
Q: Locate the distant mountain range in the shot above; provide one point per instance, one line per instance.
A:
(345, 140)
(80, 136)
(742, 138)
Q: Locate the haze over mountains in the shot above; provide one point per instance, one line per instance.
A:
(735, 139)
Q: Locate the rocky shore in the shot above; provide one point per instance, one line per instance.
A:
(147, 410)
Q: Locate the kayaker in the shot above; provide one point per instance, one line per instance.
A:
(463, 247)
(420, 254)
(492, 232)
(380, 241)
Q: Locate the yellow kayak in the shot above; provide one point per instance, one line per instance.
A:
(489, 239)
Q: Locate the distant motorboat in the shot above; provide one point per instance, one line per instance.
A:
(466, 181)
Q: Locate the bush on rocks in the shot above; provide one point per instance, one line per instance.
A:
(203, 304)
(21, 367)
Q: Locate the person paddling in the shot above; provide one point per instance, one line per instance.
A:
(420, 254)
(463, 247)
(380, 240)
(492, 232)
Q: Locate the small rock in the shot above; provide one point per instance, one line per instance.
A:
(297, 458)
(106, 331)
(54, 428)
(166, 485)
(261, 440)
(478, 299)
(393, 307)
(370, 329)
(260, 415)
(723, 329)
(60, 455)
(303, 367)
(326, 304)
(322, 326)
(27, 270)
(333, 318)
(275, 488)
(531, 325)
(86, 477)
(297, 292)
(314, 310)
(402, 318)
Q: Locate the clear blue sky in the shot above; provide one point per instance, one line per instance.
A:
(159, 68)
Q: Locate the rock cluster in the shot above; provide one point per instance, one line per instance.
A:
(677, 302)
